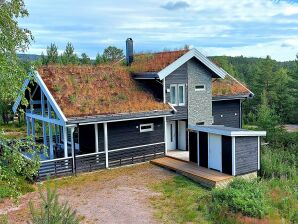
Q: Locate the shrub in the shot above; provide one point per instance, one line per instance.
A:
(279, 163)
(51, 211)
(246, 197)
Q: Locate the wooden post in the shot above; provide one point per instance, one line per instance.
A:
(28, 126)
(105, 128)
(96, 141)
(73, 150)
(44, 127)
(165, 134)
(33, 128)
(50, 133)
(65, 141)
(233, 156)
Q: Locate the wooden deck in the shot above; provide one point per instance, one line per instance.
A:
(203, 176)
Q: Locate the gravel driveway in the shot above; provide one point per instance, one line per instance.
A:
(120, 195)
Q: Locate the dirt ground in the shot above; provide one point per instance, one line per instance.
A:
(291, 127)
(120, 195)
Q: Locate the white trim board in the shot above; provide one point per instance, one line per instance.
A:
(186, 57)
(227, 131)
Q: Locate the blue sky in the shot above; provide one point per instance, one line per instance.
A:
(215, 27)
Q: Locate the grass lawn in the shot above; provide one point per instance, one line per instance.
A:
(181, 201)
(14, 130)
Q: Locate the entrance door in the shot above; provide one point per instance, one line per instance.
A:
(171, 135)
(214, 155)
(182, 135)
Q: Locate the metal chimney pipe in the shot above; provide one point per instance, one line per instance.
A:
(129, 51)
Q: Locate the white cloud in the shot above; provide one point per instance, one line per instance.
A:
(282, 50)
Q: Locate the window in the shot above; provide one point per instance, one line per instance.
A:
(146, 127)
(177, 94)
(181, 93)
(173, 94)
(200, 87)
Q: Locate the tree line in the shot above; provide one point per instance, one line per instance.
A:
(110, 54)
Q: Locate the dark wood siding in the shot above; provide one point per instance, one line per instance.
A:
(179, 76)
(127, 133)
(226, 142)
(193, 147)
(224, 113)
(203, 141)
(246, 154)
(87, 138)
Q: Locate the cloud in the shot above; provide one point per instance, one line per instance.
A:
(175, 5)
(248, 27)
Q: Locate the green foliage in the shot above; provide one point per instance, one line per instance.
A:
(52, 54)
(247, 197)
(85, 60)
(68, 56)
(182, 201)
(72, 98)
(57, 88)
(14, 167)
(110, 54)
(12, 39)
(51, 211)
(279, 163)
(23, 187)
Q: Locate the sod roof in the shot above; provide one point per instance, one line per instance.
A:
(97, 90)
(228, 87)
(154, 62)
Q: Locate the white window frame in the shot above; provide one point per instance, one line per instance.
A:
(151, 128)
(203, 89)
(178, 98)
(176, 94)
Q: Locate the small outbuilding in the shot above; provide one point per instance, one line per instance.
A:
(233, 151)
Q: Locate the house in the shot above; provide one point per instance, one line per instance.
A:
(94, 117)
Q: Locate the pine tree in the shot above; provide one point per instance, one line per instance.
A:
(52, 54)
(85, 60)
(112, 53)
(68, 56)
(51, 211)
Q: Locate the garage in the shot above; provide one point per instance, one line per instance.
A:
(228, 150)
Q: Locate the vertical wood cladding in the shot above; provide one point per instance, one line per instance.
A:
(193, 147)
(203, 154)
(87, 138)
(226, 112)
(179, 76)
(226, 142)
(246, 154)
(127, 133)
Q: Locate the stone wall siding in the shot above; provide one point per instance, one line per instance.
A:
(199, 102)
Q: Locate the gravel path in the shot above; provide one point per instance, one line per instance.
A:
(119, 195)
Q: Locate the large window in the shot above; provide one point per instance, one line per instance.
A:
(177, 94)
(181, 93)
(173, 94)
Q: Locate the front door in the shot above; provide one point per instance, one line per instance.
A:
(214, 155)
(182, 135)
(171, 135)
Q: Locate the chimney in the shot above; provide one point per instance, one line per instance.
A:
(129, 51)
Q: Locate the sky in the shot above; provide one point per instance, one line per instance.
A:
(253, 28)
